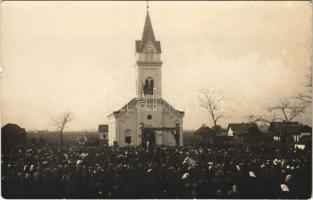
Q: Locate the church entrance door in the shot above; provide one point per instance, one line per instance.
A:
(148, 137)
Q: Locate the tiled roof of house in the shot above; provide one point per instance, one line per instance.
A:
(242, 128)
(205, 131)
(288, 128)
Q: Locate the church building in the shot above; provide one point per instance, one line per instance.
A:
(147, 119)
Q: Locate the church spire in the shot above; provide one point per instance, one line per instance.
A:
(147, 35)
(148, 30)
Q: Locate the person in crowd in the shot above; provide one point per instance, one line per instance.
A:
(221, 171)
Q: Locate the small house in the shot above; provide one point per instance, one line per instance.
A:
(291, 132)
(103, 133)
(12, 135)
(205, 135)
(244, 133)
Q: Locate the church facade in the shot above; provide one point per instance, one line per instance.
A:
(147, 119)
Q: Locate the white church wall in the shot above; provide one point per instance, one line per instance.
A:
(112, 131)
(169, 120)
(155, 121)
(128, 122)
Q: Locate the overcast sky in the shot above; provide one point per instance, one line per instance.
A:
(80, 57)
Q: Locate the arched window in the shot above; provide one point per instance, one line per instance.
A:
(148, 87)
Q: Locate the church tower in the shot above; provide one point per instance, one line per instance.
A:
(148, 63)
(148, 119)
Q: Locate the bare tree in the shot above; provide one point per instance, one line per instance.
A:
(60, 122)
(288, 109)
(306, 97)
(263, 120)
(213, 104)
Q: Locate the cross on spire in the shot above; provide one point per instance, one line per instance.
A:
(147, 34)
(147, 5)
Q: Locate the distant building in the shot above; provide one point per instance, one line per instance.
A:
(219, 130)
(305, 136)
(291, 132)
(12, 135)
(244, 132)
(221, 136)
(205, 135)
(103, 133)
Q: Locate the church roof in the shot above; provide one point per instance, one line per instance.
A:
(148, 30)
(147, 35)
(134, 101)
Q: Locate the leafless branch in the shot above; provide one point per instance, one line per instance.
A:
(306, 97)
(213, 104)
(60, 122)
(288, 108)
(263, 119)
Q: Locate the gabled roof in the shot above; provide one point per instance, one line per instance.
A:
(125, 107)
(243, 128)
(147, 35)
(219, 130)
(306, 129)
(12, 126)
(288, 128)
(134, 101)
(103, 128)
(169, 106)
(205, 131)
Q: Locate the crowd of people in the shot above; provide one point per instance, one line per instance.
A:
(224, 171)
